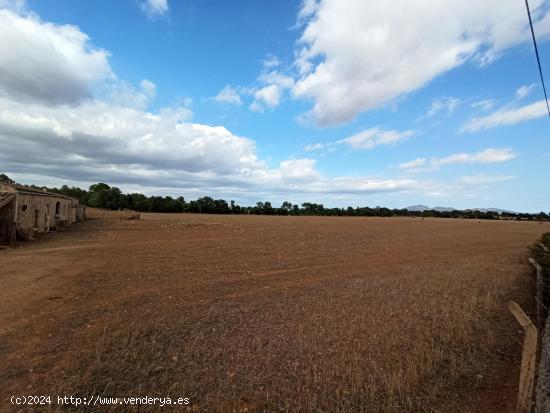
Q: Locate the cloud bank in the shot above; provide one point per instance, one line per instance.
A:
(48, 63)
(65, 115)
(352, 60)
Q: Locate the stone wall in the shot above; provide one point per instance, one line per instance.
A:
(38, 214)
(7, 213)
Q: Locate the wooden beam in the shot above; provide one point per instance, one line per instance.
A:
(528, 359)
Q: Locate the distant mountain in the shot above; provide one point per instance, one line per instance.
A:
(420, 208)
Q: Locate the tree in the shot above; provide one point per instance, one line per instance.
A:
(99, 187)
(235, 208)
(268, 209)
(5, 178)
(220, 207)
(103, 196)
(138, 202)
(286, 205)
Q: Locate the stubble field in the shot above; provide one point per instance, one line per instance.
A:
(255, 313)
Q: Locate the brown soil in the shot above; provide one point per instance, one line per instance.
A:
(253, 313)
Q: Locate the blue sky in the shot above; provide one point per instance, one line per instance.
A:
(338, 102)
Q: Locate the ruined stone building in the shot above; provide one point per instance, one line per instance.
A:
(27, 212)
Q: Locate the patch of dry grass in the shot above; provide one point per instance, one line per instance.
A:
(389, 344)
(298, 315)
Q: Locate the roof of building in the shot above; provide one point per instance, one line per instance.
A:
(7, 187)
(6, 198)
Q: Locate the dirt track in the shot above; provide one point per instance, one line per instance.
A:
(268, 313)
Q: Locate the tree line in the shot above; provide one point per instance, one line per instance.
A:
(101, 195)
(104, 196)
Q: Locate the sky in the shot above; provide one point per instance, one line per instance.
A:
(341, 102)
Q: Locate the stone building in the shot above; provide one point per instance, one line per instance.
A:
(27, 212)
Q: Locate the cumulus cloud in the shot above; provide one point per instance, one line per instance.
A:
(155, 8)
(106, 134)
(122, 93)
(299, 170)
(276, 78)
(99, 141)
(507, 116)
(48, 63)
(228, 95)
(487, 156)
(54, 124)
(267, 96)
(388, 55)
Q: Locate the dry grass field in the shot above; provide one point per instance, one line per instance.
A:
(255, 313)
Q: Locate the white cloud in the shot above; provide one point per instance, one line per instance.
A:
(309, 7)
(19, 6)
(447, 105)
(507, 116)
(489, 155)
(148, 87)
(387, 54)
(228, 95)
(155, 8)
(55, 125)
(484, 104)
(482, 179)
(317, 146)
(416, 163)
(370, 138)
(299, 170)
(366, 139)
(100, 141)
(267, 96)
(270, 62)
(270, 87)
(46, 62)
(276, 78)
(102, 134)
(122, 93)
(524, 91)
(486, 156)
